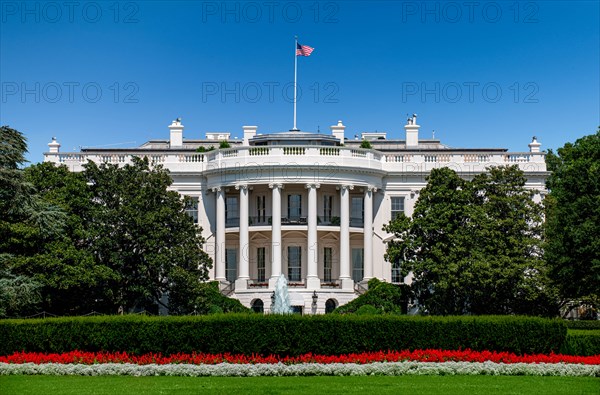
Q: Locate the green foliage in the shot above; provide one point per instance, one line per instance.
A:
(224, 144)
(572, 250)
(18, 295)
(281, 334)
(582, 342)
(142, 233)
(207, 299)
(366, 144)
(583, 324)
(380, 298)
(474, 246)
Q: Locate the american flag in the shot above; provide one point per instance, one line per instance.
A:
(303, 50)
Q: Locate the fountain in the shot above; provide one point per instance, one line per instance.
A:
(281, 300)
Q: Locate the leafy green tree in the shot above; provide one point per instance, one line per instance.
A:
(27, 221)
(142, 233)
(572, 248)
(74, 283)
(473, 247)
(19, 295)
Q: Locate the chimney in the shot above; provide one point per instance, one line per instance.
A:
(338, 131)
(54, 146)
(249, 132)
(534, 146)
(176, 134)
(412, 131)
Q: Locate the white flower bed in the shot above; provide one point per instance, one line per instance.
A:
(306, 369)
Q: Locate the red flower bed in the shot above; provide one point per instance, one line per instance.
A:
(83, 357)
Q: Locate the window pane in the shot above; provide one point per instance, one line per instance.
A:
(397, 206)
(357, 264)
(260, 263)
(294, 206)
(191, 208)
(327, 264)
(232, 213)
(230, 264)
(294, 263)
(396, 276)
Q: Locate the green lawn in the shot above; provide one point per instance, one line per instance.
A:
(49, 385)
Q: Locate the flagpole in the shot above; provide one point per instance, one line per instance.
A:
(295, 78)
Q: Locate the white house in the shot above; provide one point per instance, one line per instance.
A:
(308, 205)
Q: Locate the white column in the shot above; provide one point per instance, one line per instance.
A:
(368, 232)
(312, 274)
(220, 236)
(345, 278)
(275, 234)
(244, 255)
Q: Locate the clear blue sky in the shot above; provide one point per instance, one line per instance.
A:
(482, 74)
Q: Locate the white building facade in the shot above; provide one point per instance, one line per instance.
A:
(309, 205)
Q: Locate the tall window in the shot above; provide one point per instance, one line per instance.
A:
(191, 208)
(232, 211)
(260, 263)
(357, 211)
(327, 208)
(358, 264)
(327, 264)
(261, 211)
(397, 205)
(294, 263)
(230, 264)
(294, 207)
(396, 275)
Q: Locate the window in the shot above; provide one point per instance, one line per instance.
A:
(260, 264)
(294, 207)
(357, 211)
(358, 264)
(327, 208)
(230, 264)
(232, 211)
(397, 205)
(191, 208)
(294, 263)
(261, 211)
(396, 275)
(327, 264)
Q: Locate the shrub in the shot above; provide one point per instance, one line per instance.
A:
(224, 144)
(247, 334)
(365, 144)
(583, 324)
(367, 309)
(382, 296)
(582, 342)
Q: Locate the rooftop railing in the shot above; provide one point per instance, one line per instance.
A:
(327, 157)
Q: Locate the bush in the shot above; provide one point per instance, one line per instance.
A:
(366, 144)
(582, 342)
(367, 310)
(583, 324)
(224, 144)
(281, 334)
(383, 297)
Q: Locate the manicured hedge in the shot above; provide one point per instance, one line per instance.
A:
(583, 324)
(280, 334)
(582, 342)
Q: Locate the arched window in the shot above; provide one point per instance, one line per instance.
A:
(330, 305)
(258, 306)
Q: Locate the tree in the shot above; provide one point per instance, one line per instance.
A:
(27, 222)
(473, 246)
(142, 233)
(572, 248)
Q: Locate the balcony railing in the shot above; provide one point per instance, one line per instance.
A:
(337, 157)
(234, 222)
